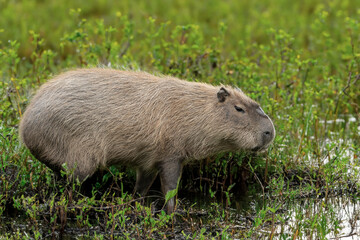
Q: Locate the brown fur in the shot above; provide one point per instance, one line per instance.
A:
(93, 118)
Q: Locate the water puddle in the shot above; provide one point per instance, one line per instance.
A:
(336, 217)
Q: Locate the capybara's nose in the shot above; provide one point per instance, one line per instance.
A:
(268, 136)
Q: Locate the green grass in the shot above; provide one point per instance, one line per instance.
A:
(299, 59)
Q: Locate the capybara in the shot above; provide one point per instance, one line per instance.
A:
(91, 119)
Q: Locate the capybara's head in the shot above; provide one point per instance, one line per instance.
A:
(246, 125)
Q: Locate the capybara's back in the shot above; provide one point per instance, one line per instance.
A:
(90, 119)
(93, 118)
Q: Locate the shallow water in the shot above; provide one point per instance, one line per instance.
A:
(334, 217)
(338, 217)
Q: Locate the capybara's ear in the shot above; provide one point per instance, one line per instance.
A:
(222, 94)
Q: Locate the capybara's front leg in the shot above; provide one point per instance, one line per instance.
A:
(170, 172)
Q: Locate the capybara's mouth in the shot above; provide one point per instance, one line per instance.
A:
(260, 149)
(256, 149)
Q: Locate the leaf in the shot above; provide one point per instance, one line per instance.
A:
(170, 194)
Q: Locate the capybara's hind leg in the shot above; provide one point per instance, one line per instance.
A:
(144, 180)
(83, 165)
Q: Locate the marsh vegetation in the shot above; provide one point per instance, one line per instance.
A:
(300, 60)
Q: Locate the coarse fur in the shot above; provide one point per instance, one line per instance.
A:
(91, 119)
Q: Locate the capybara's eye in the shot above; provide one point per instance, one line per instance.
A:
(239, 109)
